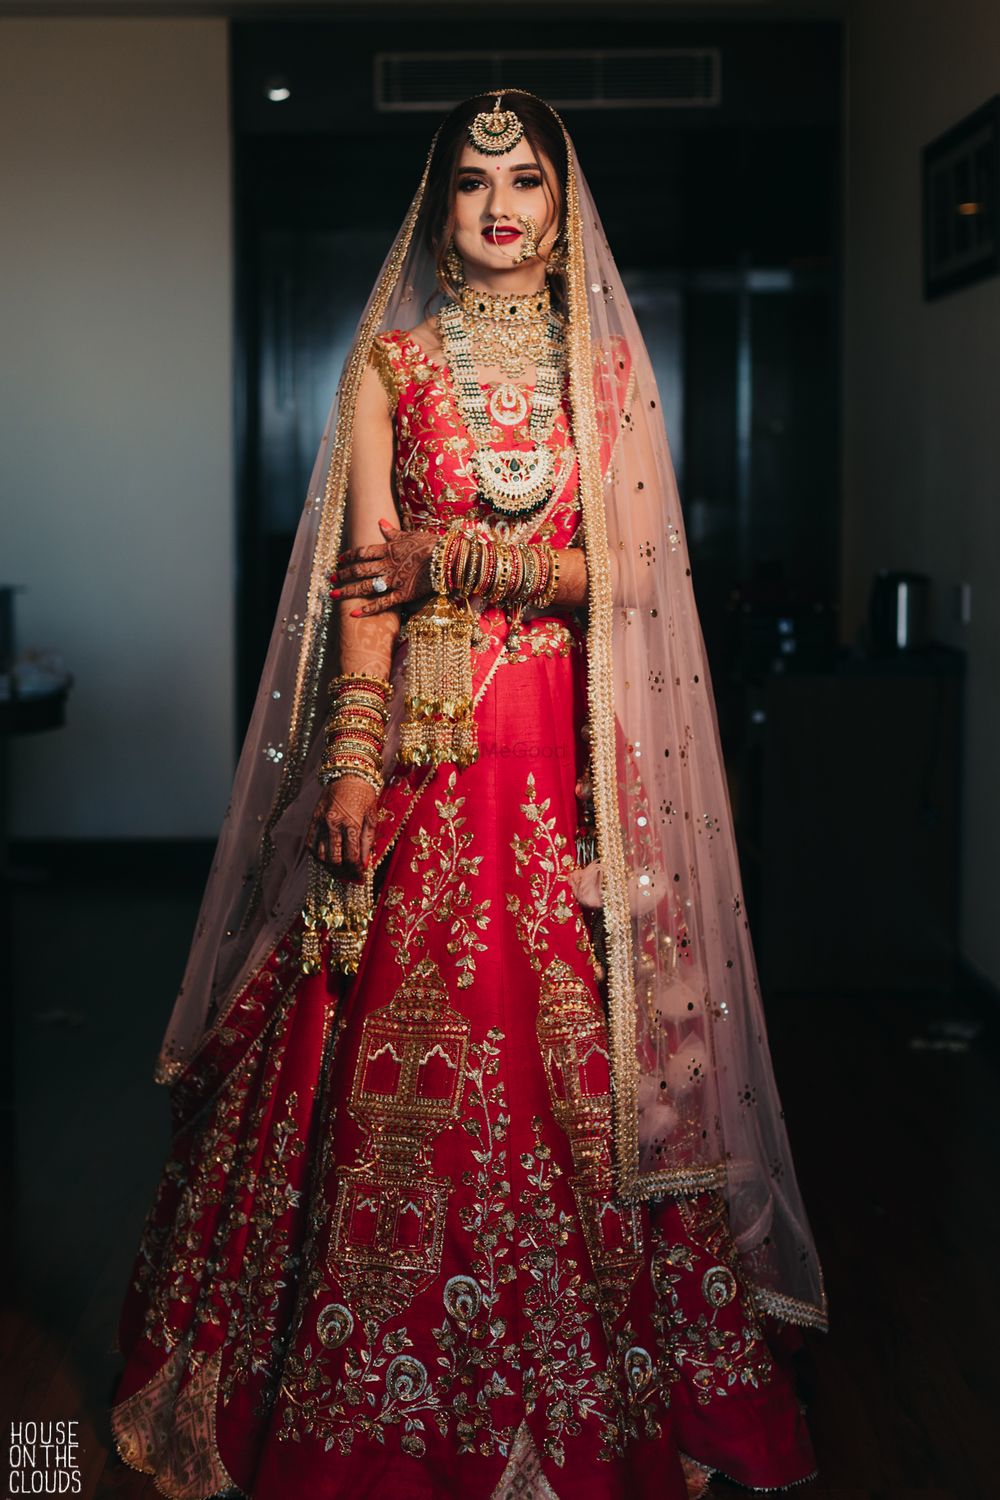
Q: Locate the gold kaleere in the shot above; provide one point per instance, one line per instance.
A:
(337, 910)
(315, 916)
(438, 723)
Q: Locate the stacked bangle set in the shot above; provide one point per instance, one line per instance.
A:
(355, 730)
(438, 723)
(515, 572)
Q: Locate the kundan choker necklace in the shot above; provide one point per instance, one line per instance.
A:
(489, 328)
(507, 331)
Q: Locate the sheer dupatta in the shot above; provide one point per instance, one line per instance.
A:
(695, 1103)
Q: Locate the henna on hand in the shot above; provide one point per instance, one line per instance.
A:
(403, 560)
(343, 827)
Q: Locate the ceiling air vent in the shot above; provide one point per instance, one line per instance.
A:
(654, 78)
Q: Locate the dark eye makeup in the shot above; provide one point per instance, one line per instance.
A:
(525, 182)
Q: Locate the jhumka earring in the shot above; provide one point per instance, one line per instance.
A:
(454, 264)
(497, 132)
(559, 257)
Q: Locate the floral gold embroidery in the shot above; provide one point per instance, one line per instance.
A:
(544, 636)
(209, 1192)
(563, 1374)
(446, 868)
(541, 857)
(720, 1348)
(520, 1245)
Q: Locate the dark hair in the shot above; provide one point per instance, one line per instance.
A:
(543, 133)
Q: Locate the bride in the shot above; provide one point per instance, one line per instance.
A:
(478, 1181)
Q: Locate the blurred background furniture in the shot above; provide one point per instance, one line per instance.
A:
(848, 815)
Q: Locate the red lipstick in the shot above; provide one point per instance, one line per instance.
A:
(503, 234)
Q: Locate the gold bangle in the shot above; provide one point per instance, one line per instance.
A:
(337, 773)
(356, 728)
(551, 585)
(471, 564)
(498, 589)
(353, 745)
(532, 573)
(366, 680)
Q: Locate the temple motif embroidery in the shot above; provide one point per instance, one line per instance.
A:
(388, 1219)
(384, 1391)
(572, 1037)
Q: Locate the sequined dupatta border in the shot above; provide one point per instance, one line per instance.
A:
(601, 709)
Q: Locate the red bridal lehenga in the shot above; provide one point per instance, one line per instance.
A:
(386, 1256)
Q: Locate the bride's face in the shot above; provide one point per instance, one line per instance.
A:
(492, 192)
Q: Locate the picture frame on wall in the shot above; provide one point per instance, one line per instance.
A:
(961, 202)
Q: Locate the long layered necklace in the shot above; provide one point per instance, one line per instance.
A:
(507, 331)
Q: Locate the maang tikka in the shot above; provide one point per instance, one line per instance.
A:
(497, 132)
